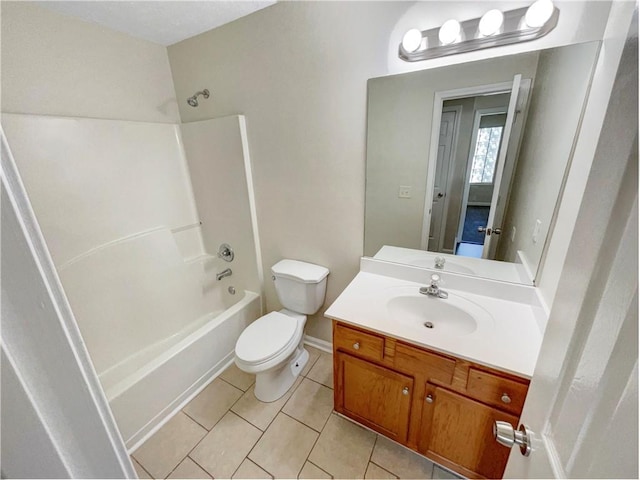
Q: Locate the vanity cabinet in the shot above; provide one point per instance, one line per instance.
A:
(438, 405)
(375, 396)
(457, 430)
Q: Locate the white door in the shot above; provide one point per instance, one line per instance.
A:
(445, 149)
(490, 241)
(582, 406)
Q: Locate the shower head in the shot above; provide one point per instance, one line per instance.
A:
(193, 101)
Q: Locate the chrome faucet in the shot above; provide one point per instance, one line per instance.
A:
(224, 273)
(439, 261)
(433, 290)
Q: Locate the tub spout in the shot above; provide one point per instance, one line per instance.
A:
(224, 273)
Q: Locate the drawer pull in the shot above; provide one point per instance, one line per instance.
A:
(429, 399)
(405, 391)
(505, 398)
(356, 346)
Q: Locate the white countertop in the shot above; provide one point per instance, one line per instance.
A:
(508, 341)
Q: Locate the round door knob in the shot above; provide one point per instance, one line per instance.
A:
(440, 195)
(505, 398)
(505, 434)
(405, 391)
(356, 346)
(429, 399)
(496, 231)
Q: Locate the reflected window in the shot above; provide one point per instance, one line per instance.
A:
(485, 155)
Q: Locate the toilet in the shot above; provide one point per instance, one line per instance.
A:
(271, 347)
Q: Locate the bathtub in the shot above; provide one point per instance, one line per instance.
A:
(145, 390)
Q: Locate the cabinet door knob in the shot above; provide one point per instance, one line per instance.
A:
(356, 346)
(405, 391)
(429, 399)
(505, 398)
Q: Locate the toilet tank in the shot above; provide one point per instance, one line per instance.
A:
(300, 285)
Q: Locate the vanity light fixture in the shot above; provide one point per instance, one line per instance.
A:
(449, 32)
(412, 40)
(491, 23)
(538, 13)
(494, 29)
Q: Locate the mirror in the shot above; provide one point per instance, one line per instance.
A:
(467, 162)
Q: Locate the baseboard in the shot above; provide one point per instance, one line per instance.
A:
(178, 404)
(318, 343)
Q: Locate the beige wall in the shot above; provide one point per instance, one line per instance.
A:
(298, 72)
(289, 71)
(56, 65)
(555, 110)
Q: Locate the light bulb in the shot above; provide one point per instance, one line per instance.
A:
(412, 40)
(538, 13)
(490, 23)
(449, 32)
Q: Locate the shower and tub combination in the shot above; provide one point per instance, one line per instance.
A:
(161, 281)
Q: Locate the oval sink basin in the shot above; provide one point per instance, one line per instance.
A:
(453, 316)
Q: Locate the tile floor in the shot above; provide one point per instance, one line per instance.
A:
(224, 432)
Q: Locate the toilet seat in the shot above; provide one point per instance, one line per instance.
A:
(272, 335)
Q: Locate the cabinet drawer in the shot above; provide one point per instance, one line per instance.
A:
(358, 343)
(433, 366)
(496, 391)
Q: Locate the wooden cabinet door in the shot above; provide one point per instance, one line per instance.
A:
(458, 432)
(374, 396)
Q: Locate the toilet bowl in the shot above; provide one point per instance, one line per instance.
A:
(272, 346)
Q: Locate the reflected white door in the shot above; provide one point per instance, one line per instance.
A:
(495, 213)
(445, 150)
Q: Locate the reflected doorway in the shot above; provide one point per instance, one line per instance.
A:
(486, 138)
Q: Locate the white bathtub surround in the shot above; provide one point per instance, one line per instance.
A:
(217, 154)
(115, 202)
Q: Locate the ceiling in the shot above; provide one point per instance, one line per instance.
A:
(163, 22)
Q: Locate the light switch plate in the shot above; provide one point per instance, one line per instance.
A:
(404, 191)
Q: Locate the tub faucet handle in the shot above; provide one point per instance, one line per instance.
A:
(225, 252)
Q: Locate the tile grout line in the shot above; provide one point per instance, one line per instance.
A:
(203, 469)
(280, 410)
(385, 469)
(196, 422)
(200, 441)
(314, 446)
(196, 445)
(265, 430)
(375, 442)
(235, 386)
(319, 468)
(142, 466)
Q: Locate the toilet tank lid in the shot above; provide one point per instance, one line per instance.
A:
(302, 271)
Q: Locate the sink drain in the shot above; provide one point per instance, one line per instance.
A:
(428, 324)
